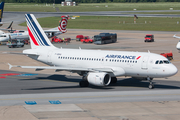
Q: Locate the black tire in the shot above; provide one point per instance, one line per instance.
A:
(113, 80)
(83, 83)
(151, 86)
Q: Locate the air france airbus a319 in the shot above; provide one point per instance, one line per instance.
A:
(98, 67)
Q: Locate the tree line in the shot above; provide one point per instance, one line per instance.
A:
(86, 1)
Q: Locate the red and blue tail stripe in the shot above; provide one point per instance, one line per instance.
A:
(36, 33)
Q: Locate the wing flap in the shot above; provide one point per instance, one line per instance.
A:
(57, 68)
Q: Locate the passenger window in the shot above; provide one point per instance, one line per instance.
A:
(136, 62)
(122, 60)
(117, 60)
(106, 59)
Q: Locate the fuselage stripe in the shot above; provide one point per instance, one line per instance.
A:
(38, 31)
(33, 30)
(32, 37)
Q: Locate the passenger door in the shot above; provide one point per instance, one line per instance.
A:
(144, 64)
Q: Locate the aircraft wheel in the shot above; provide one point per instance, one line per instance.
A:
(113, 80)
(151, 86)
(83, 83)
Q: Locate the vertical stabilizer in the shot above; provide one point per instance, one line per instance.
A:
(63, 23)
(1, 12)
(36, 34)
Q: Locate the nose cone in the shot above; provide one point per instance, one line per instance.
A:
(178, 45)
(172, 70)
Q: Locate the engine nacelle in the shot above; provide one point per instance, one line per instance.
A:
(99, 78)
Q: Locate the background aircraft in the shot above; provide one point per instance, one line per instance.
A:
(97, 67)
(4, 37)
(1, 12)
(178, 44)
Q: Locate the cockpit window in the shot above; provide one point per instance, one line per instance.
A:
(162, 62)
(166, 61)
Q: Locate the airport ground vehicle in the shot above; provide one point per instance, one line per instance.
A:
(15, 43)
(67, 40)
(55, 39)
(149, 38)
(79, 37)
(86, 39)
(169, 55)
(104, 38)
(26, 42)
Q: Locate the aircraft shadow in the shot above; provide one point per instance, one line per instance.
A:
(63, 78)
(129, 82)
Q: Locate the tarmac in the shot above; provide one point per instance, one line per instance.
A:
(156, 109)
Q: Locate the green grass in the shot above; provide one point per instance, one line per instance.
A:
(120, 7)
(115, 23)
(83, 7)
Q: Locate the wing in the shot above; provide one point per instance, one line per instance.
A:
(176, 36)
(52, 30)
(57, 68)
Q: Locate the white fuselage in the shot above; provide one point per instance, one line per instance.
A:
(178, 45)
(123, 63)
(7, 36)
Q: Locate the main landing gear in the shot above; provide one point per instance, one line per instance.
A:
(151, 85)
(113, 80)
(84, 82)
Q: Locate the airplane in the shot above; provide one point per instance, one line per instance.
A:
(97, 67)
(1, 12)
(178, 44)
(4, 37)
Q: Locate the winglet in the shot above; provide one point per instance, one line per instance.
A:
(10, 66)
(174, 36)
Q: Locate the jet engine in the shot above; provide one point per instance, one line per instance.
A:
(99, 78)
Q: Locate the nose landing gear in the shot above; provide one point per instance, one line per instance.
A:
(151, 85)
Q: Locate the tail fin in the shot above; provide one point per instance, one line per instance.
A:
(1, 10)
(10, 25)
(63, 23)
(36, 34)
